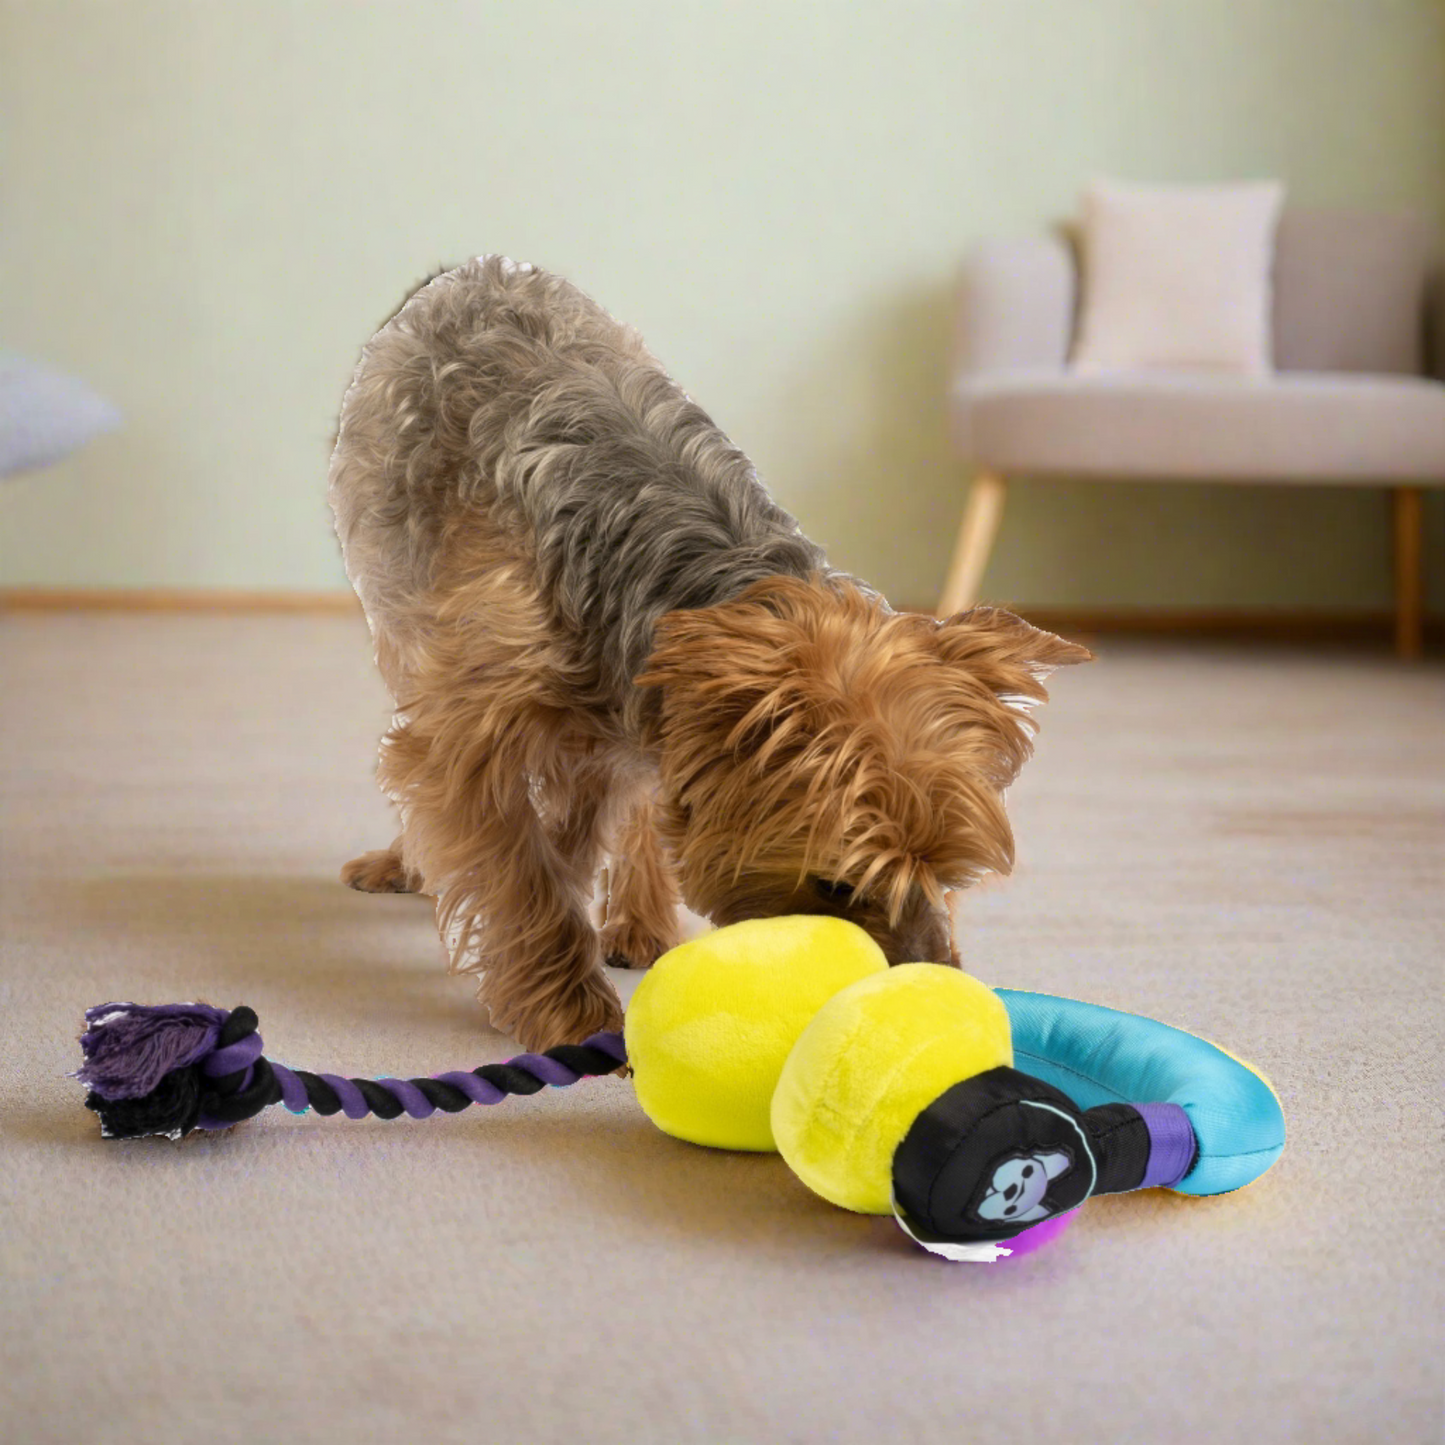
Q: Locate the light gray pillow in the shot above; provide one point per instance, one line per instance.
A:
(45, 414)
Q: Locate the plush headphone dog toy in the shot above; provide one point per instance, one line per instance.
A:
(980, 1119)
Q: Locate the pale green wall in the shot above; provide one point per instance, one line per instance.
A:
(209, 206)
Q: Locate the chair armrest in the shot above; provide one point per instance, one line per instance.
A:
(1015, 306)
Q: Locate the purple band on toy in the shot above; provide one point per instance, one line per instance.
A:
(409, 1097)
(233, 1058)
(550, 1071)
(476, 1088)
(293, 1091)
(353, 1102)
(609, 1043)
(1172, 1145)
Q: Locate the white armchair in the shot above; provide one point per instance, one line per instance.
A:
(1349, 402)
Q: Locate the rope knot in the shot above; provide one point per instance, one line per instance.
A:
(237, 1079)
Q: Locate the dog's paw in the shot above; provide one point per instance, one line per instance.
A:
(381, 871)
(538, 1024)
(628, 945)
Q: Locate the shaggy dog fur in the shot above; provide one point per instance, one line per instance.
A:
(604, 638)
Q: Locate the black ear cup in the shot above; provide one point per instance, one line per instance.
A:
(991, 1157)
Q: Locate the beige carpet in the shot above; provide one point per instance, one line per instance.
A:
(1248, 843)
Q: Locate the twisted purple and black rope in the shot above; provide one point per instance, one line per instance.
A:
(171, 1068)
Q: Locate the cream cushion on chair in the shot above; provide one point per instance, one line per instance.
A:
(1293, 427)
(1178, 277)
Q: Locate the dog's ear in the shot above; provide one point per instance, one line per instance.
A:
(992, 642)
(996, 663)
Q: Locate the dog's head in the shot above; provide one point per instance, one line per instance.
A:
(821, 754)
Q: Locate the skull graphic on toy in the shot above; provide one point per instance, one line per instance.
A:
(1018, 1186)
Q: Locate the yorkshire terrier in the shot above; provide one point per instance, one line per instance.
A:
(607, 642)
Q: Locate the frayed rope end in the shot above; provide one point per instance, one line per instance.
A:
(143, 1066)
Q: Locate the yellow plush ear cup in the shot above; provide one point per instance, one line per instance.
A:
(875, 1056)
(710, 1025)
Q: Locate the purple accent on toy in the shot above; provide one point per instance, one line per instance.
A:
(409, 1097)
(129, 1048)
(233, 1058)
(550, 1071)
(1037, 1235)
(609, 1043)
(353, 1104)
(1172, 1145)
(476, 1088)
(293, 1091)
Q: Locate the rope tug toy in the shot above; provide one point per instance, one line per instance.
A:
(886, 1090)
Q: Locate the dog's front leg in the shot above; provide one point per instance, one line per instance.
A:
(512, 889)
(641, 921)
(518, 916)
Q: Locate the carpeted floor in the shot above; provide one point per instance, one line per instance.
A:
(1247, 843)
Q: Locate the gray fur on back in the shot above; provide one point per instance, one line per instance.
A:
(501, 397)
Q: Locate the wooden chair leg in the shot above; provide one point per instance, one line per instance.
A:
(981, 515)
(1409, 575)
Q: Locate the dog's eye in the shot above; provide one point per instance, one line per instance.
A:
(832, 891)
